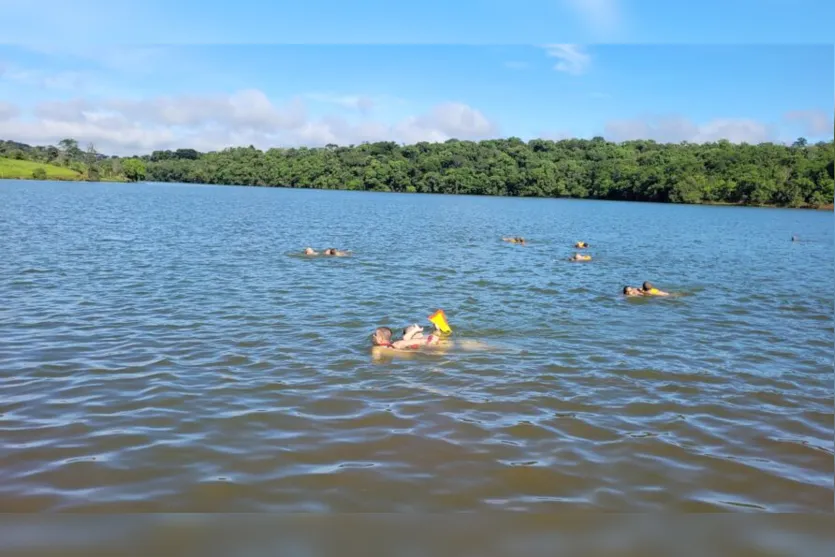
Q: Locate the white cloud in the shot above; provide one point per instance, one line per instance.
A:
(246, 109)
(131, 126)
(456, 120)
(735, 130)
(361, 103)
(602, 16)
(674, 129)
(8, 111)
(814, 122)
(364, 104)
(62, 111)
(572, 58)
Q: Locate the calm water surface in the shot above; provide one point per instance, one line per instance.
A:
(163, 349)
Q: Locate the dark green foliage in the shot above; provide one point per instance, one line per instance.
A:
(722, 172)
(134, 169)
(798, 175)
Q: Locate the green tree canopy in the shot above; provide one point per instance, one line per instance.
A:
(134, 169)
(796, 175)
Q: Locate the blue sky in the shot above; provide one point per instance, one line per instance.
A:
(617, 68)
(429, 21)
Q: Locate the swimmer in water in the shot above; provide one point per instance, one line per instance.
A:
(310, 251)
(515, 240)
(414, 342)
(581, 245)
(413, 338)
(580, 257)
(795, 239)
(632, 291)
(649, 290)
(335, 252)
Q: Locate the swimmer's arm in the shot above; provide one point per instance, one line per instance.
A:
(416, 342)
(407, 344)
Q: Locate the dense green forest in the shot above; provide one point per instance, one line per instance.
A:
(799, 175)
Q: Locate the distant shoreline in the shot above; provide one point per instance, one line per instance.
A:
(58, 179)
(827, 207)
(718, 173)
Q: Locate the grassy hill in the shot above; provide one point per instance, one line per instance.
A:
(11, 168)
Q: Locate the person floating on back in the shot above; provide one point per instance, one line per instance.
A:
(335, 252)
(332, 252)
(646, 289)
(514, 240)
(649, 290)
(413, 337)
(580, 257)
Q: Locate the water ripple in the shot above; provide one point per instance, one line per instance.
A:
(165, 349)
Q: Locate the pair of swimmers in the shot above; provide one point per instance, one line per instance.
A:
(647, 289)
(520, 240)
(330, 251)
(413, 341)
(580, 256)
(413, 338)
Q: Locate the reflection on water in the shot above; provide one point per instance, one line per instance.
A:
(167, 348)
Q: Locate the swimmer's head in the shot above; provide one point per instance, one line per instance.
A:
(631, 291)
(309, 251)
(647, 286)
(330, 251)
(381, 336)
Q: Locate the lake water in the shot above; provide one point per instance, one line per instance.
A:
(164, 349)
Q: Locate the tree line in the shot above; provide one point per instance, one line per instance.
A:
(797, 175)
(89, 164)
